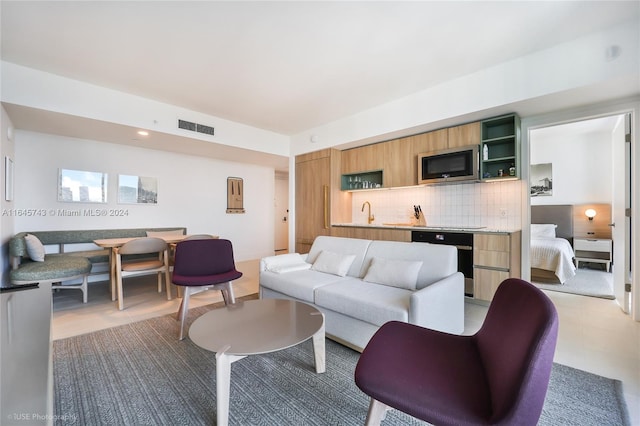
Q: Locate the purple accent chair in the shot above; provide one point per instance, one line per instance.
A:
(203, 264)
(498, 376)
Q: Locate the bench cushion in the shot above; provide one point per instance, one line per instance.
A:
(54, 267)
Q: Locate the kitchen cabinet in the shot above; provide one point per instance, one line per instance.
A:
(428, 142)
(399, 163)
(496, 257)
(500, 148)
(371, 233)
(25, 357)
(318, 196)
(362, 159)
(463, 135)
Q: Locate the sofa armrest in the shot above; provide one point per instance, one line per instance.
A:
(440, 306)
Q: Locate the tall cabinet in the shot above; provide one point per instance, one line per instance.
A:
(319, 200)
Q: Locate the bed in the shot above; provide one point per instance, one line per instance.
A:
(551, 250)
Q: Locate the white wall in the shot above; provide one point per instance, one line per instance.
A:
(561, 71)
(191, 191)
(6, 220)
(581, 167)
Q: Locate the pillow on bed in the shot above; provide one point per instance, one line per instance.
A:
(546, 230)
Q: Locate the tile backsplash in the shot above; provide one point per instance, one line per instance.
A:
(494, 205)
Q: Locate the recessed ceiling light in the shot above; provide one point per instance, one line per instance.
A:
(143, 133)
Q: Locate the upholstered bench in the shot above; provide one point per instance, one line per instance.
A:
(74, 255)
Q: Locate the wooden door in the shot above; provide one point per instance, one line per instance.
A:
(313, 190)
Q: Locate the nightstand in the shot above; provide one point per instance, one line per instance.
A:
(592, 250)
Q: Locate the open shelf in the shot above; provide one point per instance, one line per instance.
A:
(363, 180)
(500, 140)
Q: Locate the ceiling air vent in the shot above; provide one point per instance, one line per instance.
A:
(195, 127)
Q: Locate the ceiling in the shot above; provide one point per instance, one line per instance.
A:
(285, 66)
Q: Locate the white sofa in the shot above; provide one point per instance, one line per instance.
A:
(354, 308)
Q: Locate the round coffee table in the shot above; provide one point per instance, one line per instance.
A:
(255, 327)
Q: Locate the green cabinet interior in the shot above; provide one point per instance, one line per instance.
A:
(362, 180)
(501, 137)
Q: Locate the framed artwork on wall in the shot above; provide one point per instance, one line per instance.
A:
(137, 189)
(541, 179)
(79, 186)
(235, 195)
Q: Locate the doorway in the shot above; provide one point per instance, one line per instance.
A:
(589, 161)
(281, 216)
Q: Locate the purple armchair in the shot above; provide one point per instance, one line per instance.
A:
(498, 376)
(203, 264)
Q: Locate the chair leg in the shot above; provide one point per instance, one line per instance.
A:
(377, 413)
(159, 282)
(85, 288)
(119, 291)
(184, 309)
(227, 294)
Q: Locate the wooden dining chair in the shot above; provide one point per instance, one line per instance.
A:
(135, 263)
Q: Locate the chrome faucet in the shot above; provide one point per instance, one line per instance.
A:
(370, 217)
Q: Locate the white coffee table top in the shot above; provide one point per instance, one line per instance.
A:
(256, 326)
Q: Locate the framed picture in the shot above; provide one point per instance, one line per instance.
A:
(79, 186)
(137, 189)
(541, 179)
(235, 195)
(8, 179)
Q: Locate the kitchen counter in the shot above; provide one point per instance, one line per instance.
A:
(410, 227)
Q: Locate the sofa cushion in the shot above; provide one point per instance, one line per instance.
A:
(396, 273)
(333, 263)
(35, 249)
(373, 303)
(438, 261)
(345, 246)
(298, 284)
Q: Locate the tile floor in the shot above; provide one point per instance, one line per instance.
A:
(595, 335)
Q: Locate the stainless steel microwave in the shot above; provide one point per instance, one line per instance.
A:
(449, 165)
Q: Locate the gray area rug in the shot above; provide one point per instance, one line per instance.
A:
(586, 282)
(140, 374)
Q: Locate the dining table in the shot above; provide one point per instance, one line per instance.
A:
(115, 243)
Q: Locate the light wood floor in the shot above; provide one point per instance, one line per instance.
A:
(595, 335)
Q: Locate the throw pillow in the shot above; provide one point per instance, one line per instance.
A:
(35, 249)
(285, 263)
(395, 273)
(333, 263)
(545, 230)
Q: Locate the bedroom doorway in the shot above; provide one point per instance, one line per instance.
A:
(588, 161)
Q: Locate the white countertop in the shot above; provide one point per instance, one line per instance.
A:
(409, 227)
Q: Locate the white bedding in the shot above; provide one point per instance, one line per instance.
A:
(555, 255)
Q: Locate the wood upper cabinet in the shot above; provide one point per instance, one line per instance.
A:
(430, 141)
(464, 135)
(318, 196)
(400, 166)
(362, 159)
